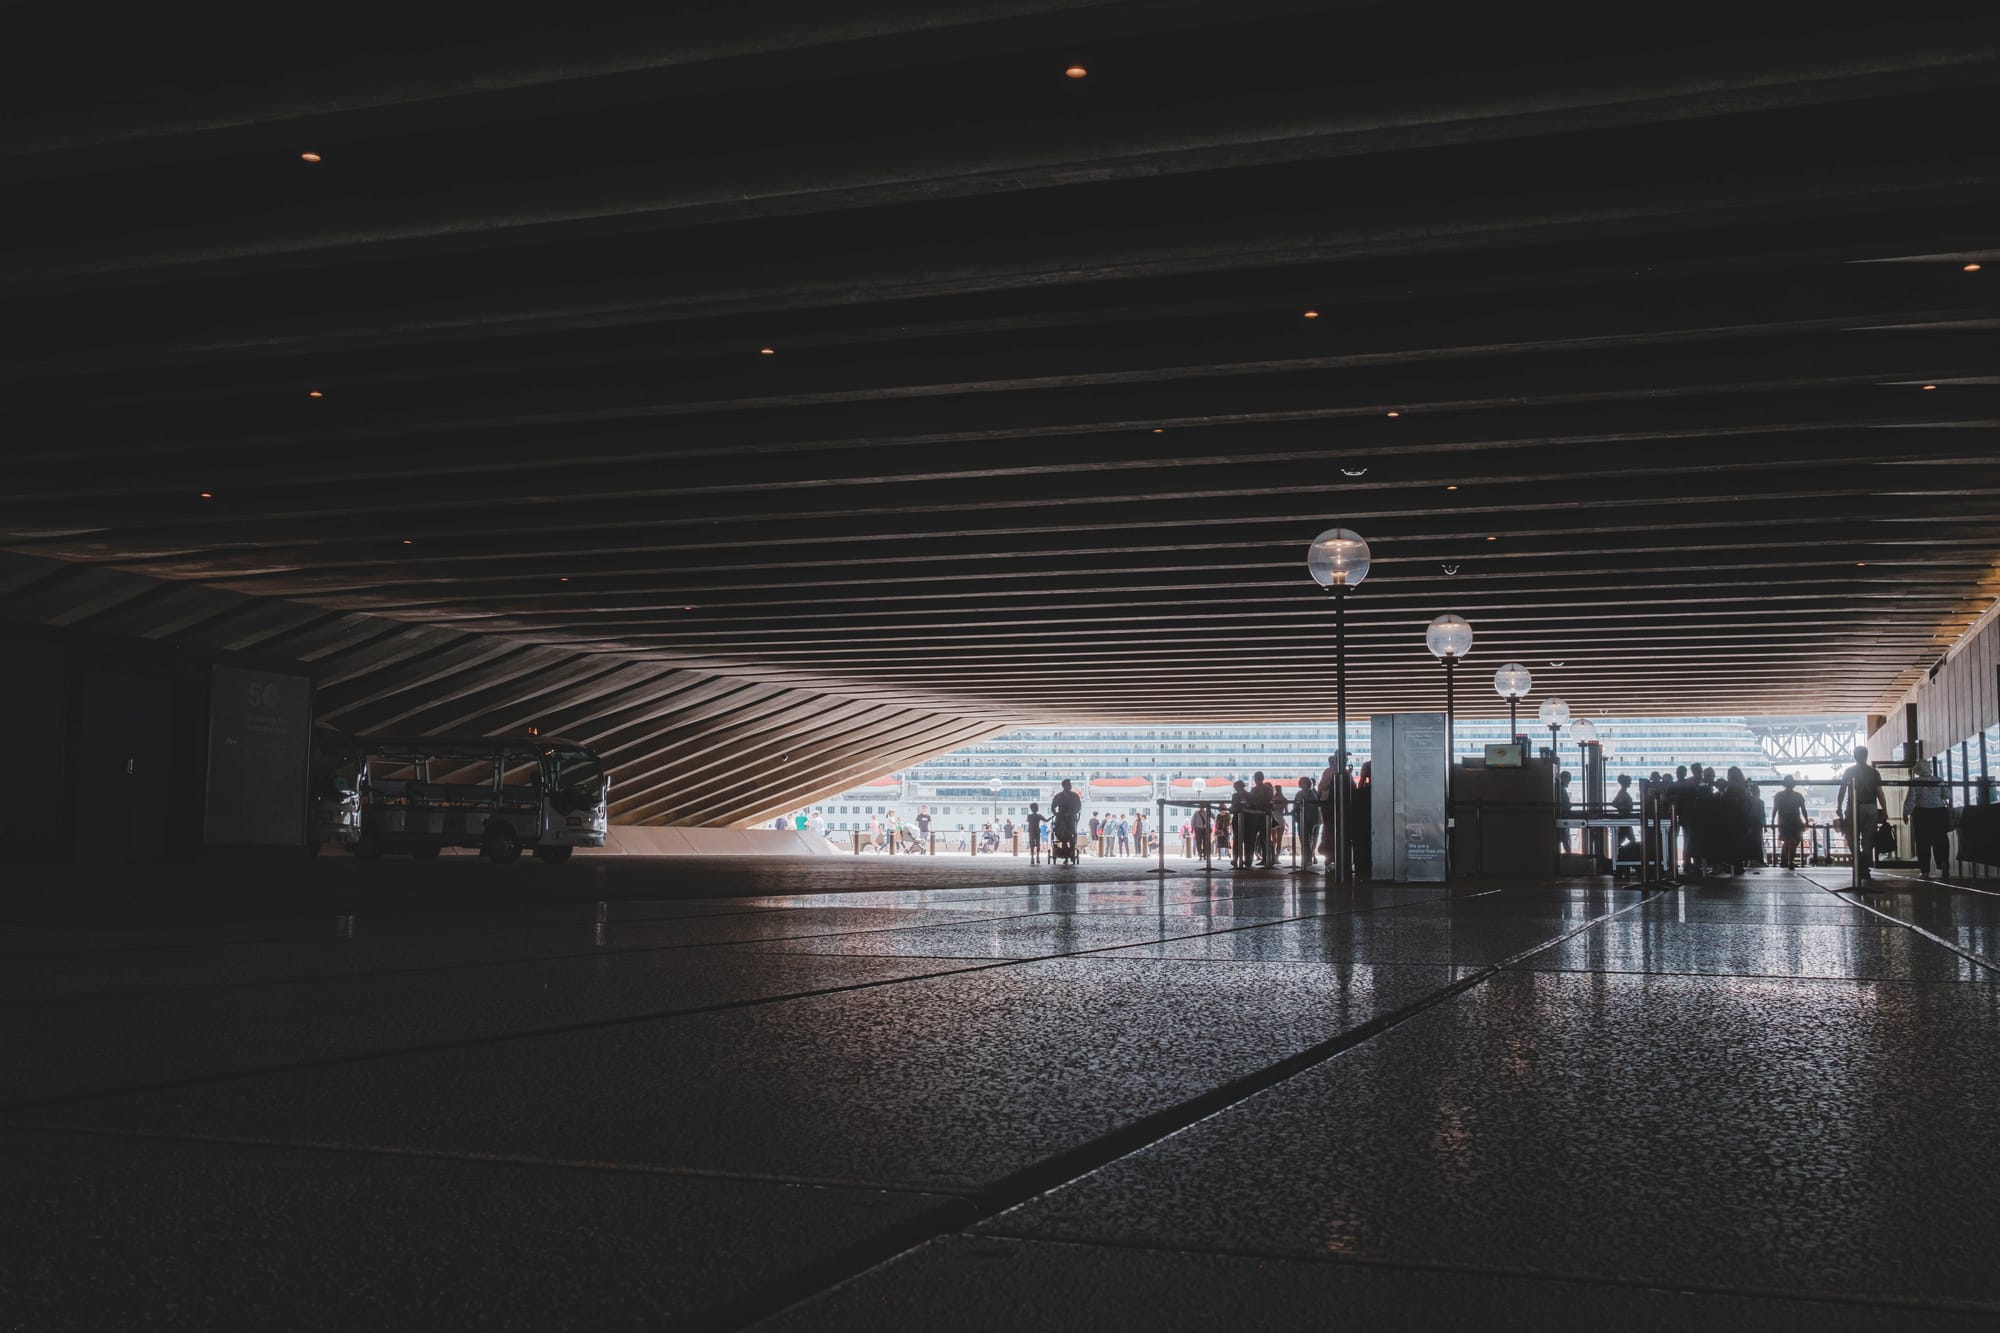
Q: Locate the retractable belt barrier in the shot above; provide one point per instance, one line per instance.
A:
(1222, 810)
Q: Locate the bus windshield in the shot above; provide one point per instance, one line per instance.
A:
(579, 781)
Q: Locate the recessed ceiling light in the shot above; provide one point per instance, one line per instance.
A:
(1861, 564)
(1930, 386)
(1492, 539)
(208, 495)
(1395, 414)
(563, 579)
(1159, 430)
(767, 351)
(1077, 72)
(1972, 268)
(314, 393)
(308, 157)
(408, 542)
(1451, 488)
(1310, 314)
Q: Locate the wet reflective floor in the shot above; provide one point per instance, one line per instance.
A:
(936, 1097)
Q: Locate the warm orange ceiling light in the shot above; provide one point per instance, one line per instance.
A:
(1930, 386)
(207, 495)
(1077, 72)
(1972, 268)
(1451, 488)
(1159, 430)
(1861, 564)
(1310, 314)
(408, 542)
(308, 157)
(314, 393)
(767, 351)
(1492, 539)
(1395, 414)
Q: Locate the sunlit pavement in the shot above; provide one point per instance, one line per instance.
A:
(901, 1093)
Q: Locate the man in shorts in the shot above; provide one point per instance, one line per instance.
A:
(1861, 808)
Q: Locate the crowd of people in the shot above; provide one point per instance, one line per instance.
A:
(1260, 819)
(1722, 821)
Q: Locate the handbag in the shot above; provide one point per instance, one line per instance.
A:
(1885, 838)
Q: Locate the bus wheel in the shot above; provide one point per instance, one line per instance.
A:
(501, 845)
(367, 847)
(425, 851)
(553, 855)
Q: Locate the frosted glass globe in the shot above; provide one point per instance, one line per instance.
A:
(1449, 636)
(1338, 558)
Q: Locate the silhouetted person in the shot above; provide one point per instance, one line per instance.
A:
(1360, 848)
(1927, 809)
(1201, 825)
(1034, 822)
(1788, 807)
(1745, 827)
(1329, 796)
(1065, 807)
(1241, 839)
(1562, 808)
(1622, 803)
(1860, 808)
(1261, 801)
(1305, 821)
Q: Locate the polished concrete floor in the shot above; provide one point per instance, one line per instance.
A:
(796, 1096)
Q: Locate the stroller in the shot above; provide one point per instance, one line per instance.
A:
(1062, 840)
(909, 840)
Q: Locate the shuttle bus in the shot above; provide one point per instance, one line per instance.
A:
(502, 796)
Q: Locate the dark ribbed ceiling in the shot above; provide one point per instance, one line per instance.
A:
(1632, 336)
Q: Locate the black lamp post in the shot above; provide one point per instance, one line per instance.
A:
(1512, 683)
(1338, 561)
(1554, 712)
(1449, 638)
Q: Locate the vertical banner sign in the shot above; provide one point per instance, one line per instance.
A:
(259, 748)
(1420, 803)
(1408, 806)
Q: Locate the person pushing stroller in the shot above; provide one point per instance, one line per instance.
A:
(1065, 808)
